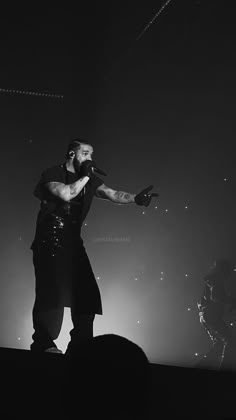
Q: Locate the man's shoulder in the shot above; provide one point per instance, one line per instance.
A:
(56, 168)
(53, 173)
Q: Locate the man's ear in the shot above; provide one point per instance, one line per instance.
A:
(71, 154)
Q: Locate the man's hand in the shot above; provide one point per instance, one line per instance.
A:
(87, 168)
(143, 198)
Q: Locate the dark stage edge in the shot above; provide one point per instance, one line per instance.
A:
(33, 386)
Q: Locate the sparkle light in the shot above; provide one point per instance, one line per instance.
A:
(154, 18)
(186, 275)
(136, 278)
(138, 322)
(23, 92)
(166, 210)
(188, 309)
(196, 354)
(143, 212)
(98, 278)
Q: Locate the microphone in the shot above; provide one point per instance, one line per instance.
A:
(99, 171)
(92, 164)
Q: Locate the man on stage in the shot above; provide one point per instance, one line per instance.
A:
(63, 273)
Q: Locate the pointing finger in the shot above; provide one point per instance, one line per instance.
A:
(146, 190)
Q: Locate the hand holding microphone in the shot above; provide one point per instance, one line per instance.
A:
(88, 167)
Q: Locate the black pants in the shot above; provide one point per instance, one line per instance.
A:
(47, 323)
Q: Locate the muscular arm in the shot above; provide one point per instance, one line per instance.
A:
(67, 192)
(117, 197)
(121, 197)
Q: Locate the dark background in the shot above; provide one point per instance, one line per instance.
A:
(161, 111)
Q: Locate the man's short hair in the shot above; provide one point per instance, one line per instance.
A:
(75, 145)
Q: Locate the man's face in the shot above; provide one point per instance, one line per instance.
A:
(84, 153)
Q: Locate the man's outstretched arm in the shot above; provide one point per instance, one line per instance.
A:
(121, 197)
(117, 197)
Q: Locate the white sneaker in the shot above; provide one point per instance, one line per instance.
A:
(53, 350)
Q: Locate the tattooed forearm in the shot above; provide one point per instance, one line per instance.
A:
(121, 197)
(76, 187)
(73, 188)
(67, 191)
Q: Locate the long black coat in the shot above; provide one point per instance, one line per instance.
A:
(63, 273)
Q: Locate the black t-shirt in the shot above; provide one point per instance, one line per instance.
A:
(77, 208)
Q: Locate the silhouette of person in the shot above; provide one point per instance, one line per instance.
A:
(63, 273)
(212, 308)
(111, 374)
